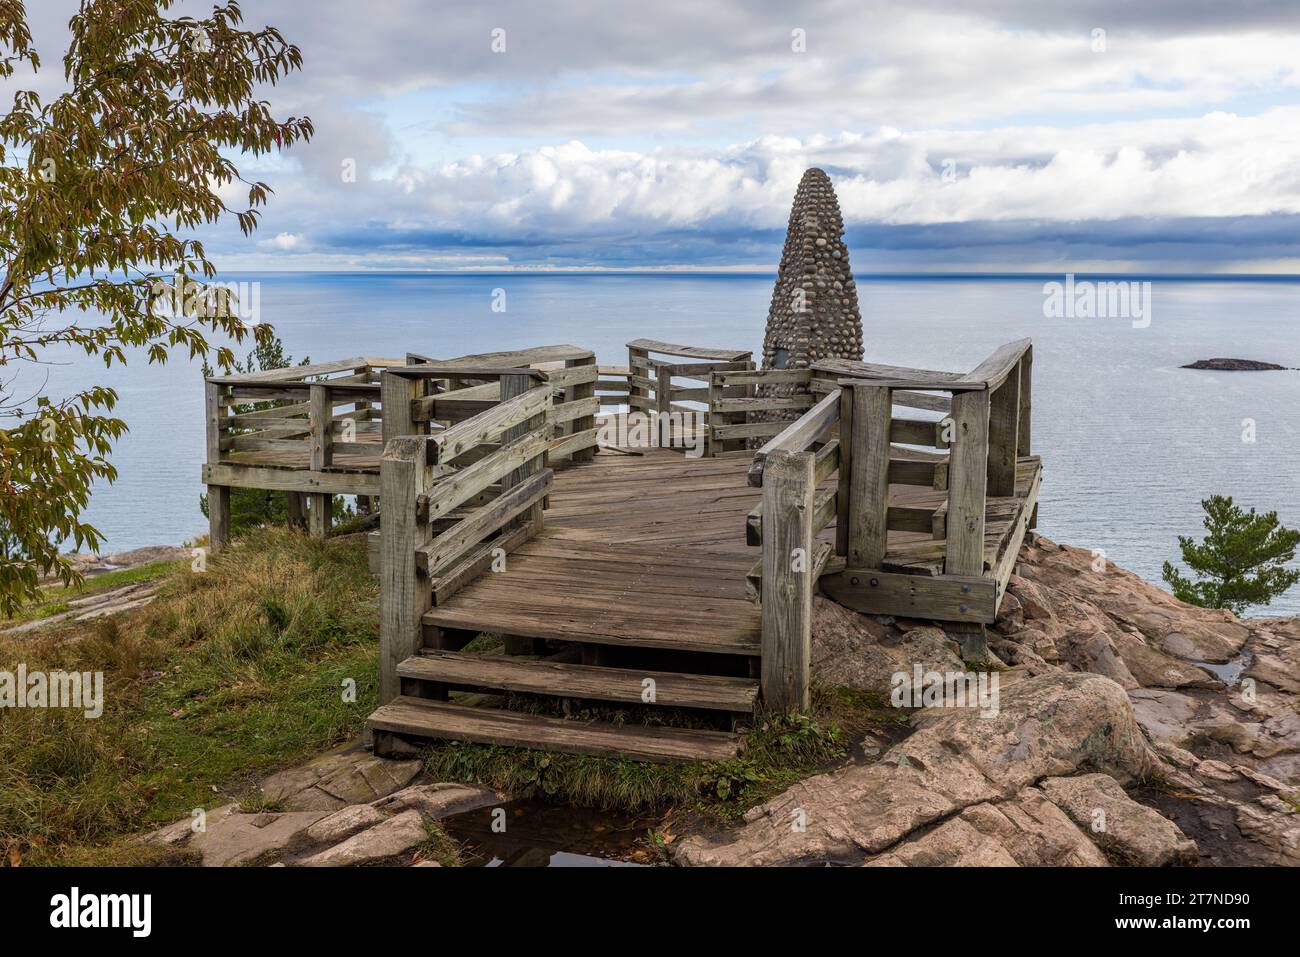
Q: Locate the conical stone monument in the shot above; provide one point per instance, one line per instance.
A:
(814, 312)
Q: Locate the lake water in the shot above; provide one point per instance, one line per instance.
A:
(1131, 442)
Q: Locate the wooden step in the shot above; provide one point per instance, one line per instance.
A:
(422, 718)
(535, 676)
(581, 622)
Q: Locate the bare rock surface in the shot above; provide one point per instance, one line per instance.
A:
(1047, 726)
(344, 808)
(342, 777)
(1198, 710)
(1130, 831)
(385, 840)
(240, 838)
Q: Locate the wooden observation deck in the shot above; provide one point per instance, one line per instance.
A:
(666, 587)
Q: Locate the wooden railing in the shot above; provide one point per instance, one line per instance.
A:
(458, 498)
(471, 386)
(653, 366)
(318, 416)
(839, 460)
(753, 404)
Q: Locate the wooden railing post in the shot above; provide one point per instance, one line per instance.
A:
(868, 507)
(322, 456)
(218, 495)
(638, 365)
(404, 594)
(511, 386)
(967, 483)
(1004, 434)
(664, 405)
(789, 488)
(1024, 440)
(1026, 377)
(583, 390)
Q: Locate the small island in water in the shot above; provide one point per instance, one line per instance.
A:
(1235, 365)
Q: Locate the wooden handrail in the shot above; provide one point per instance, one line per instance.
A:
(799, 435)
(993, 371)
(690, 352)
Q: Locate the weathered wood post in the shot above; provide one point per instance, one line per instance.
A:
(1025, 373)
(638, 367)
(218, 495)
(967, 486)
(1004, 435)
(583, 390)
(868, 511)
(322, 455)
(365, 505)
(664, 405)
(512, 386)
(788, 490)
(404, 595)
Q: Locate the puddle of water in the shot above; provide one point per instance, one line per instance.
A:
(1230, 672)
(535, 834)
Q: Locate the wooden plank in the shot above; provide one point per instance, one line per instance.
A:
(397, 396)
(444, 371)
(570, 444)
(869, 479)
(576, 409)
(476, 562)
(748, 430)
(994, 370)
(845, 477)
(1006, 562)
(967, 482)
(422, 718)
(942, 598)
(403, 596)
(1026, 401)
(874, 370)
(765, 377)
(320, 514)
(799, 434)
(668, 689)
(322, 437)
(216, 424)
(920, 400)
(518, 358)
(487, 426)
(489, 518)
(451, 491)
(291, 480)
(917, 432)
(764, 403)
(788, 499)
(1004, 432)
(690, 352)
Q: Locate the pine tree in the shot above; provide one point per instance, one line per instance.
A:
(1241, 562)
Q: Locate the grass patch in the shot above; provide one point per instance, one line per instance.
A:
(229, 675)
(780, 750)
(57, 599)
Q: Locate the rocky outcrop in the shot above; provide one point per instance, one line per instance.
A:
(1234, 365)
(1193, 729)
(1046, 726)
(347, 808)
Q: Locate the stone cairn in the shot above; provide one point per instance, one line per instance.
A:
(814, 312)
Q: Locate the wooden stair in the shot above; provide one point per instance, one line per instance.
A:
(542, 676)
(424, 718)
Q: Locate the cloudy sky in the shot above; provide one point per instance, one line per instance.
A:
(961, 136)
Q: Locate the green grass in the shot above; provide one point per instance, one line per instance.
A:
(230, 674)
(780, 750)
(57, 599)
